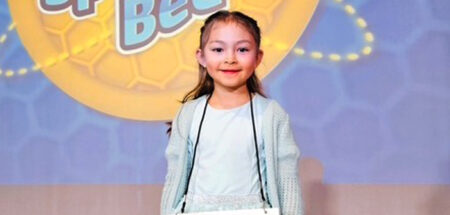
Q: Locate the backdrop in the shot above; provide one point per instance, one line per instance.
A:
(87, 86)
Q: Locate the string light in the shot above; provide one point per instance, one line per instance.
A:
(360, 22)
(51, 61)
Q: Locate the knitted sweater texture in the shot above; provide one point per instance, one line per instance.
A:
(281, 151)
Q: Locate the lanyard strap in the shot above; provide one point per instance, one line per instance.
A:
(195, 152)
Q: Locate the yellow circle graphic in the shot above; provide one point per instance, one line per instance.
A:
(81, 58)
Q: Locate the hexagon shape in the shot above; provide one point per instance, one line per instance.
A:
(374, 80)
(114, 69)
(331, 30)
(185, 79)
(15, 121)
(421, 122)
(308, 92)
(54, 110)
(354, 143)
(41, 161)
(79, 35)
(57, 38)
(56, 22)
(429, 61)
(28, 84)
(149, 62)
(88, 150)
(400, 18)
(419, 125)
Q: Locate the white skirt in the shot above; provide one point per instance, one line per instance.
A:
(205, 203)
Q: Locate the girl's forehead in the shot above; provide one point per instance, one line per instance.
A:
(229, 30)
(221, 25)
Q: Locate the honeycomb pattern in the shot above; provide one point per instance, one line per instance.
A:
(89, 151)
(139, 75)
(49, 116)
(13, 115)
(373, 84)
(382, 119)
(44, 160)
(299, 86)
(438, 44)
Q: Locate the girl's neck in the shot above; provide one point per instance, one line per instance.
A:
(222, 99)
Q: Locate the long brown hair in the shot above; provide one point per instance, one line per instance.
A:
(205, 84)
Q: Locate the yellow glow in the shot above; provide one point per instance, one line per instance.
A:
(369, 37)
(334, 57)
(63, 56)
(9, 73)
(367, 50)
(281, 46)
(91, 42)
(361, 22)
(77, 50)
(3, 38)
(299, 51)
(316, 55)
(105, 35)
(11, 26)
(36, 67)
(349, 9)
(50, 62)
(23, 71)
(352, 57)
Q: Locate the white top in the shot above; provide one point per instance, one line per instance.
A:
(225, 166)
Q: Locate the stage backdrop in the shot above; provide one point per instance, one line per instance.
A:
(86, 87)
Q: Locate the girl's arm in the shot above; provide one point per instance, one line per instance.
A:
(173, 151)
(288, 154)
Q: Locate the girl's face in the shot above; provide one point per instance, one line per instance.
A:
(230, 55)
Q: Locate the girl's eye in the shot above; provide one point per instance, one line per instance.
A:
(217, 49)
(243, 50)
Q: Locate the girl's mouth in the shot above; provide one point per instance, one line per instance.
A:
(230, 71)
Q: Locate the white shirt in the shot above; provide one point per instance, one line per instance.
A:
(225, 168)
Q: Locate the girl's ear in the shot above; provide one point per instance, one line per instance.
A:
(200, 57)
(259, 57)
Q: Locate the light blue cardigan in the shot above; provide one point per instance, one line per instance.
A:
(281, 154)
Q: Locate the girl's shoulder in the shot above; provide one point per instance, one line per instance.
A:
(191, 104)
(187, 109)
(270, 106)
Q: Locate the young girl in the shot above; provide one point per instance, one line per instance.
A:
(230, 147)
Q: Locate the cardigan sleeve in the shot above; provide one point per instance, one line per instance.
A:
(288, 155)
(173, 152)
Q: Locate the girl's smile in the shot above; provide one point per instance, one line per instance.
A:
(230, 71)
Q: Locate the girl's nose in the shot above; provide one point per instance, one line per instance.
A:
(230, 57)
